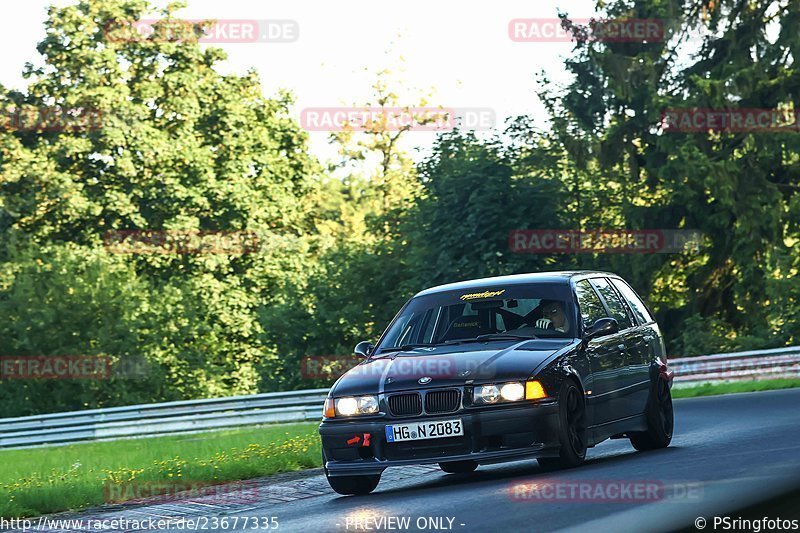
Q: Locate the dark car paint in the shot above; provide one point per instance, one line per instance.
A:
(616, 372)
(483, 362)
(631, 350)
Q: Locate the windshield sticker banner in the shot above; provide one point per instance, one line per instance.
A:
(479, 295)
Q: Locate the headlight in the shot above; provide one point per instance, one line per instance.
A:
(508, 392)
(486, 394)
(512, 392)
(347, 406)
(358, 405)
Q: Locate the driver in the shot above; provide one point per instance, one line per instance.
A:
(553, 316)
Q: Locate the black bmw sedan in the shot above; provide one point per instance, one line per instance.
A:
(498, 369)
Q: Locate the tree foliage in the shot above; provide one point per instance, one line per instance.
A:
(181, 147)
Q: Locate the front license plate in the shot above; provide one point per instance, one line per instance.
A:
(424, 430)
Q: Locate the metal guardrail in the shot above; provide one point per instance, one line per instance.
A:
(738, 366)
(220, 413)
(162, 418)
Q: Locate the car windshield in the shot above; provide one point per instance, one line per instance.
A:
(482, 314)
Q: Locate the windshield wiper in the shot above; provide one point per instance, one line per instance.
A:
(493, 337)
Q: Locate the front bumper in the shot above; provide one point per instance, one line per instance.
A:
(494, 434)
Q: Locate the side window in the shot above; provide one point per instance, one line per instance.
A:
(590, 305)
(615, 305)
(524, 306)
(467, 310)
(635, 303)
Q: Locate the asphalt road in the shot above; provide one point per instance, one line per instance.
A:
(728, 452)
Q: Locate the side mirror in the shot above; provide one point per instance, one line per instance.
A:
(601, 328)
(363, 348)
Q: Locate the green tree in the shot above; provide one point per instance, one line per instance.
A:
(737, 187)
(178, 146)
(356, 242)
(475, 194)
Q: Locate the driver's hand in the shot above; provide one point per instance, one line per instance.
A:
(544, 323)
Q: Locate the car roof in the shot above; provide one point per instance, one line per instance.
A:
(562, 276)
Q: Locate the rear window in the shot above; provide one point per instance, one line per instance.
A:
(613, 301)
(636, 304)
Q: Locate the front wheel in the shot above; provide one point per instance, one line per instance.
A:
(351, 485)
(660, 420)
(572, 429)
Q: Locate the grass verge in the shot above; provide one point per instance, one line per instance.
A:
(36, 481)
(713, 389)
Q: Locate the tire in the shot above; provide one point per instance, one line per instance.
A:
(351, 485)
(571, 428)
(660, 420)
(459, 467)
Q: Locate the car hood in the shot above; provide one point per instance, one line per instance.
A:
(450, 365)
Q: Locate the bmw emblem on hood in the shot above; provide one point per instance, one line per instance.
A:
(424, 380)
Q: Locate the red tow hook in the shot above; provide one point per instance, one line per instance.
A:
(357, 439)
